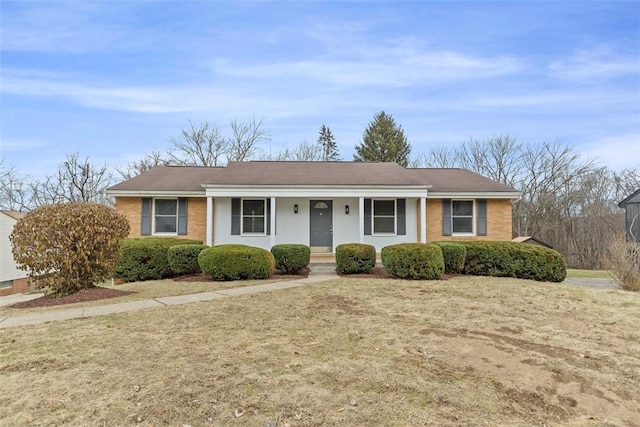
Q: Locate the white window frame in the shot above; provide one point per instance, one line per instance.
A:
(373, 217)
(250, 233)
(153, 222)
(474, 216)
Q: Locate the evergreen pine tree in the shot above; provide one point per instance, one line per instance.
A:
(328, 144)
(383, 141)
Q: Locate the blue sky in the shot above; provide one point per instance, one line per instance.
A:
(115, 80)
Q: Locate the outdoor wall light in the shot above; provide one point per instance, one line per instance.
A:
(295, 208)
(346, 209)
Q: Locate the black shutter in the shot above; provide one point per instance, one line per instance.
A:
(482, 217)
(367, 217)
(268, 217)
(235, 217)
(401, 218)
(182, 216)
(145, 219)
(446, 217)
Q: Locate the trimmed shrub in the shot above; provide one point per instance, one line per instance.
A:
(454, 255)
(354, 258)
(415, 261)
(236, 262)
(511, 259)
(291, 258)
(183, 259)
(147, 258)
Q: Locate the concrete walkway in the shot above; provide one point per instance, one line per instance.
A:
(101, 310)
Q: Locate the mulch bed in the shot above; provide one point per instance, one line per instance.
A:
(91, 294)
(376, 273)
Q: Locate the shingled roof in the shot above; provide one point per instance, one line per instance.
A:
(167, 179)
(170, 179)
(314, 173)
(455, 180)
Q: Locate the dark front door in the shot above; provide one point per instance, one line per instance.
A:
(321, 224)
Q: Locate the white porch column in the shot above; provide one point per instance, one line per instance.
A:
(423, 220)
(272, 237)
(209, 229)
(361, 218)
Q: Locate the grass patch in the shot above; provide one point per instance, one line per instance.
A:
(466, 351)
(574, 273)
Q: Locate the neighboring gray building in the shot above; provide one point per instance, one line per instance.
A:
(631, 206)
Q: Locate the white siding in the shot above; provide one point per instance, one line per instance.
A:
(8, 269)
(412, 230)
(294, 228)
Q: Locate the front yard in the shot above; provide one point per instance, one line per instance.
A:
(465, 351)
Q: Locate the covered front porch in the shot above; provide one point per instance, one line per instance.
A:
(321, 218)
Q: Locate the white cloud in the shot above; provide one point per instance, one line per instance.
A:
(397, 67)
(598, 63)
(561, 100)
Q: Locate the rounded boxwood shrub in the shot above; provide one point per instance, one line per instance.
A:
(291, 258)
(416, 261)
(146, 258)
(354, 258)
(183, 259)
(511, 259)
(236, 262)
(454, 255)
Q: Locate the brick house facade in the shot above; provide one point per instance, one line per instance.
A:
(320, 204)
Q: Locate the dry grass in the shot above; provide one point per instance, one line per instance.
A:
(467, 351)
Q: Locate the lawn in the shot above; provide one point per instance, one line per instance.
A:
(362, 352)
(588, 274)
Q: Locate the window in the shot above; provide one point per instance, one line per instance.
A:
(462, 216)
(166, 216)
(253, 216)
(384, 216)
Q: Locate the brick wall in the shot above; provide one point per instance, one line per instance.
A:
(131, 208)
(19, 286)
(498, 221)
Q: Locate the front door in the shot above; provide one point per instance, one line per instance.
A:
(321, 225)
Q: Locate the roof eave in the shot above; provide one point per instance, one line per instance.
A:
(155, 193)
(474, 195)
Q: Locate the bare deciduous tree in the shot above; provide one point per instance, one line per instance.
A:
(15, 191)
(497, 158)
(201, 146)
(76, 181)
(243, 143)
(150, 161)
(438, 157)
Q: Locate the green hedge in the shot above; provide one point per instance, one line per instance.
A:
(454, 255)
(353, 258)
(146, 258)
(236, 262)
(291, 258)
(416, 261)
(183, 259)
(511, 259)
